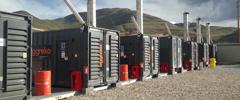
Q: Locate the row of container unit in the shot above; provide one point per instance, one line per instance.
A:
(88, 57)
(182, 55)
(148, 56)
(197, 55)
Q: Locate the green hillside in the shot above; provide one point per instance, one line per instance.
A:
(112, 18)
(120, 19)
(217, 32)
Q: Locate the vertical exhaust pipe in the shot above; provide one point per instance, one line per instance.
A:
(199, 34)
(186, 26)
(91, 13)
(208, 33)
(139, 9)
(75, 12)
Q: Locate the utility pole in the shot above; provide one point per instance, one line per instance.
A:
(91, 13)
(139, 4)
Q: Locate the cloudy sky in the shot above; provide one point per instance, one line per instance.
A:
(218, 12)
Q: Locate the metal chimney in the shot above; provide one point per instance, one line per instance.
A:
(208, 33)
(75, 12)
(186, 26)
(199, 34)
(91, 13)
(140, 14)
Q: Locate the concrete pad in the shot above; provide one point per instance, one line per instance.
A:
(101, 88)
(131, 81)
(163, 75)
(55, 96)
(149, 77)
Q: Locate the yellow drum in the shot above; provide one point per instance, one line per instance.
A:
(213, 63)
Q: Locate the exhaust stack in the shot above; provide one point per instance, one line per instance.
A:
(75, 12)
(208, 33)
(199, 34)
(186, 27)
(139, 15)
(91, 13)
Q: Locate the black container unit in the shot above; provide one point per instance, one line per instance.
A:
(92, 51)
(15, 59)
(179, 55)
(137, 50)
(203, 56)
(168, 57)
(189, 55)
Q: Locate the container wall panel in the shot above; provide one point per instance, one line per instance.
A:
(15, 60)
(228, 54)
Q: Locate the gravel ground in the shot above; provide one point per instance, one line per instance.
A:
(207, 84)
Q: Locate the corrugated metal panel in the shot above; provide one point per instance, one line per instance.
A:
(96, 56)
(228, 53)
(155, 55)
(147, 55)
(179, 52)
(112, 59)
(16, 60)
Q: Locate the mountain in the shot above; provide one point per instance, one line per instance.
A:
(112, 18)
(230, 38)
(120, 19)
(217, 32)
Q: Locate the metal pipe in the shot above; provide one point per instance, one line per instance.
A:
(91, 13)
(199, 34)
(186, 26)
(168, 29)
(139, 9)
(136, 24)
(208, 33)
(74, 11)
